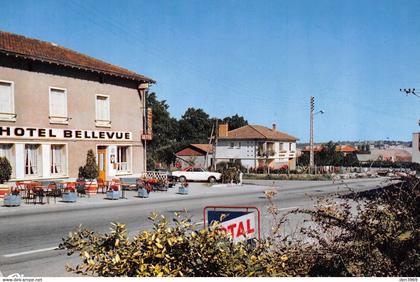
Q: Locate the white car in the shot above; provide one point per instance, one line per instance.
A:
(197, 174)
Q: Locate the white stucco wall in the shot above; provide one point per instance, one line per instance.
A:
(416, 148)
(247, 152)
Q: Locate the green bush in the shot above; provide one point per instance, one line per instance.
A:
(90, 170)
(5, 170)
(374, 233)
(178, 250)
(231, 174)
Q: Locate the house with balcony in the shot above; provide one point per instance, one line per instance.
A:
(256, 146)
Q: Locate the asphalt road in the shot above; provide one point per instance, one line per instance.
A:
(27, 240)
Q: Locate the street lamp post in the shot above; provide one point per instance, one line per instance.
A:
(311, 137)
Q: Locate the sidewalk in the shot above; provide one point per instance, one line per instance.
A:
(196, 190)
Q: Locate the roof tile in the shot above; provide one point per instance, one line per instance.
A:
(45, 51)
(258, 132)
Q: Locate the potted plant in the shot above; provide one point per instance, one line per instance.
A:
(5, 173)
(13, 199)
(144, 189)
(183, 188)
(113, 193)
(90, 172)
(69, 194)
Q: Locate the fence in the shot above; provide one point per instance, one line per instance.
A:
(160, 175)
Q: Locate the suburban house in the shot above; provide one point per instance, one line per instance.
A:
(56, 104)
(197, 155)
(391, 155)
(256, 146)
(345, 149)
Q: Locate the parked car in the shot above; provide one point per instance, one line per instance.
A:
(197, 174)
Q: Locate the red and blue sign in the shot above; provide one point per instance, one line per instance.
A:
(239, 222)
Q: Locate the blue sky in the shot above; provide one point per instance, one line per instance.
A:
(260, 59)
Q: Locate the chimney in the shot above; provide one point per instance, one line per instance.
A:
(274, 127)
(223, 130)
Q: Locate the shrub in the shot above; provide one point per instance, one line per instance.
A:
(380, 239)
(5, 170)
(178, 250)
(90, 170)
(231, 174)
(374, 233)
(221, 166)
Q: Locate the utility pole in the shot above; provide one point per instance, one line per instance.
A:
(216, 134)
(210, 143)
(311, 137)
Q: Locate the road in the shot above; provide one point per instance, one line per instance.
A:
(28, 240)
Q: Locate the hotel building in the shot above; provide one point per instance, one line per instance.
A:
(56, 104)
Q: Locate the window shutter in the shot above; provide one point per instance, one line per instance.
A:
(106, 109)
(58, 103)
(5, 97)
(102, 104)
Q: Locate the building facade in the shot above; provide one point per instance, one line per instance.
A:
(415, 153)
(256, 146)
(197, 155)
(56, 104)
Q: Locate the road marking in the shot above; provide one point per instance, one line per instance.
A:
(289, 208)
(199, 223)
(30, 252)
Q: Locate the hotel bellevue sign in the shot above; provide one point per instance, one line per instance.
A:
(62, 134)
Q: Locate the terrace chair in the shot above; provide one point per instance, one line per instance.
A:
(21, 187)
(29, 191)
(53, 191)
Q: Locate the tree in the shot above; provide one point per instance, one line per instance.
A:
(90, 170)
(350, 160)
(171, 135)
(330, 156)
(195, 126)
(5, 170)
(234, 122)
(165, 132)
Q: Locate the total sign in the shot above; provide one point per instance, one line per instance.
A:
(241, 223)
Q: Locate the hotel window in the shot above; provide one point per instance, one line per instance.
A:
(58, 105)
(103, 117)
(32, 160)
(123, 158)
(58, 160)
(6, 151)
(7, 107)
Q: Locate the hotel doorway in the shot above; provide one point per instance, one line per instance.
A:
(102, 162)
